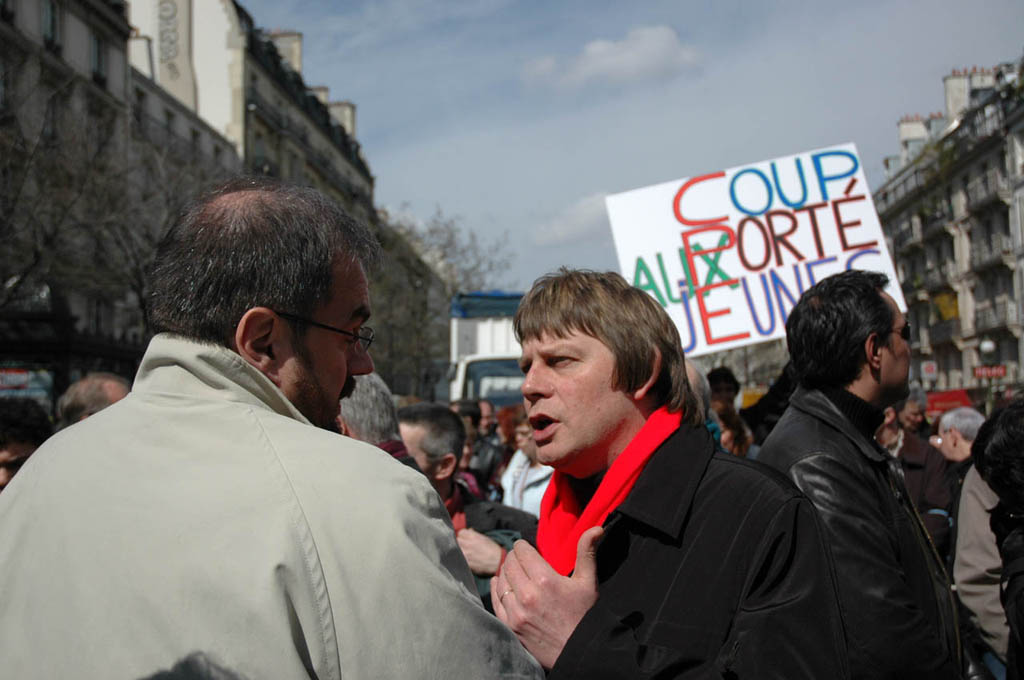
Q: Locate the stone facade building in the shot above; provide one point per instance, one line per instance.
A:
(952, 210)
(94, 159)
(248, 85)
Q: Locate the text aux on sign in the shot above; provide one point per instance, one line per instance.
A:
(728, 254)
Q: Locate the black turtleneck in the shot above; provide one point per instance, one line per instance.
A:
(865, 417)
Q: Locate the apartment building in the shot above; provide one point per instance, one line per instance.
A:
(247, 84)
(94, 158)
(951, 208)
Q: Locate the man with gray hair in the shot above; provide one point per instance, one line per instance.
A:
(977, 566)
(215, 511)
(956, 431)
(368, 414)
(90, 395)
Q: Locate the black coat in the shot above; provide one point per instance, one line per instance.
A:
(924, 473)
(713, 566)
(894, 593)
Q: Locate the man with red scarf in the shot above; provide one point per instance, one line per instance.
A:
(658, 557)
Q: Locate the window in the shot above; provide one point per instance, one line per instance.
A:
(169, 119)
(5, 85)
(7, 10)
(98, 59)
(139, 110)
(51, 24)
(50, 121)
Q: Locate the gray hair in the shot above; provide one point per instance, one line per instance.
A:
(369, 412)
(86, 397)
(965, 420)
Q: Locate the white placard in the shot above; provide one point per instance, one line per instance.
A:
(754, 237)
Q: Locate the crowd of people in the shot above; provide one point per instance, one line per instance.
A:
(258, 504)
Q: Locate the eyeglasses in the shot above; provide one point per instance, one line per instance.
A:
(905, 332)
(364, 336)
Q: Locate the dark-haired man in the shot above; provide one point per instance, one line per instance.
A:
(215, 511)
(849, 346)
(486, 455)
(999, 455)
(709, 566)
(24, 426)
(485, 530)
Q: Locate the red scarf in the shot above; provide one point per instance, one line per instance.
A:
(563, 521)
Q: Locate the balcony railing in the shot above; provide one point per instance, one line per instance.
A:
(985, 254)
(999, 315)
(936, 221)
(944, 331)
(940, 276)
(909, 235)
(990, 187)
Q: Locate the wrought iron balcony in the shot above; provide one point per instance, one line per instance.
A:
(909, 235)
(936, 222)
(999, 251)
(999, 315)
(944, 331)
(986, 190)
(940, 276)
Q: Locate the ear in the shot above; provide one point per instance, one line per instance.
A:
(873, 352)
(644, 389)
(445, 467)
(890, 415)
(264, 340)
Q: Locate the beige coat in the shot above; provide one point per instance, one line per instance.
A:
(202, 520)
(977, 565)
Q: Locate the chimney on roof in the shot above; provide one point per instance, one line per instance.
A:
(289, 45)
(321, 92)
(345, 114)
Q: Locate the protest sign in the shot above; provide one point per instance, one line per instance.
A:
(728, 254)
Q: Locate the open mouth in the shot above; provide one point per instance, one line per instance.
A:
(543, 427)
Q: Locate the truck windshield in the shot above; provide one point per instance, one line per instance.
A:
(497, 380)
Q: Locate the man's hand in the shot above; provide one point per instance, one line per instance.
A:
(482, 554)
(541, 606)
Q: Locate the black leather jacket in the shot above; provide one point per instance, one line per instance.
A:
(894, 594)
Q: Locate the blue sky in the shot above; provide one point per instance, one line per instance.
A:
(518, 117)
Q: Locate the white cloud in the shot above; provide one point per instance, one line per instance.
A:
(583, 219)
(646, 53)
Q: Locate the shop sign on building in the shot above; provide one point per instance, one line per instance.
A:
(995, 371)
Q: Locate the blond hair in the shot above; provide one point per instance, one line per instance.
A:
(625, 319)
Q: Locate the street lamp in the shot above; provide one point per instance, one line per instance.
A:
(986, 348)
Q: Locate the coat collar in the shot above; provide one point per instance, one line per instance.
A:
(174, 365)
(657, 499)
(817, 405)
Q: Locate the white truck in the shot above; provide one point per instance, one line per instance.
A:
(484, 352)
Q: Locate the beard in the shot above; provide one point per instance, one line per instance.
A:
(311, 399)
(350, 385)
